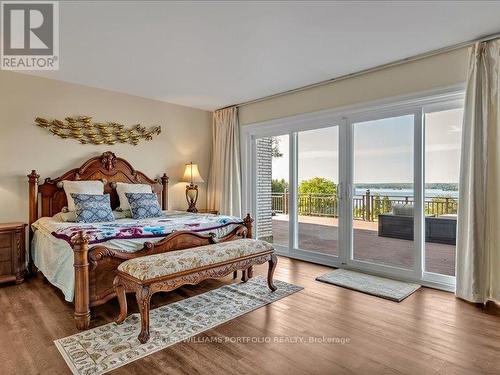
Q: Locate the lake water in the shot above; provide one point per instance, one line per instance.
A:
(429, 193)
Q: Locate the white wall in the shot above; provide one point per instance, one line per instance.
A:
(426, 74)
(185, 137)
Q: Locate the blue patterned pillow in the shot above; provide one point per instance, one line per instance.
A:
(91, 208)
(144, 205)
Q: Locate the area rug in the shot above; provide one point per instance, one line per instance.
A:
(374, 285)
(104, 348)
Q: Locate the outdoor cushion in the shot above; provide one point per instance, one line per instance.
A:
(158, 265)
(403, 209)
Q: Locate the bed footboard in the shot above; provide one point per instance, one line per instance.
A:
(95, 267)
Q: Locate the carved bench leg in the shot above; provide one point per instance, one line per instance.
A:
(143, 300)
(235, 274)
(122, 299)
(270, 272)
(244, 276)
(250, 272)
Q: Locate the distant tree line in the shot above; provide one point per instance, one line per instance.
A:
(315, 185)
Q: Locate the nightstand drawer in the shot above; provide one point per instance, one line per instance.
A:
(12, 252)
(6, 268)
(5, 240)
(5, 253)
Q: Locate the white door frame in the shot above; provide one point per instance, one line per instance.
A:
(397, 111)
(295, 250)
(416, 104)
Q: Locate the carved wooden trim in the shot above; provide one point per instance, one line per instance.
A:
(196, 275)
(164, 194)
(108, 160)
(82, 295)
(176, 241)
(248, 224)
(210, 273)
(33, 197)
(107, 167)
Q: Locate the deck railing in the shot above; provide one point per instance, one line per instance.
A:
(366, 207)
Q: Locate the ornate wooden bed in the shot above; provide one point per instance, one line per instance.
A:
(95, 266)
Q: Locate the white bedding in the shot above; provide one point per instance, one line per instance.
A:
(54, 257)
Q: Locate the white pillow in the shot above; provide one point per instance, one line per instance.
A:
(122, 188)
(81, 187)
(125, 214)
(65, 216)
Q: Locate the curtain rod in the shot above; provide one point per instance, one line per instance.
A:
(370, 70)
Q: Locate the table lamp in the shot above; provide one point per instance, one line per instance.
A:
(192, 175)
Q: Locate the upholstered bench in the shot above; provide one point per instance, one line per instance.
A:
(168, 271)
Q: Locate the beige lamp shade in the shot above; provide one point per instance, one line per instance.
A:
(191, 174)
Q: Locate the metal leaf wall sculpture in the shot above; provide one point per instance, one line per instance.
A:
(82, 129)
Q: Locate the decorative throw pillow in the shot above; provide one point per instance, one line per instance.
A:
(144, 205)
(123, 188)
(92, 208)
(81, 187)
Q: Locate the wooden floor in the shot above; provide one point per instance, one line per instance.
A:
(429, 332)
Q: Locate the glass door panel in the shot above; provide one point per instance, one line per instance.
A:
(272, 161)
(383, 194)
(442, 162)
(318, 180)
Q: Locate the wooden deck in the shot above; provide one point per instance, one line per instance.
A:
(320, 234)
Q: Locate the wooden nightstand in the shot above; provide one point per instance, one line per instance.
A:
(12, 252)
(207, 211)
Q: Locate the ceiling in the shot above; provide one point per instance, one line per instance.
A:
(212, 54)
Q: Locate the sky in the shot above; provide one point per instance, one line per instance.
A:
(383, 150)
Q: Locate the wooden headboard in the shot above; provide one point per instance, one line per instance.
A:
(107, 168)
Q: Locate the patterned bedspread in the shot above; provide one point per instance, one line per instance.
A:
(148, 228)
(53, 256)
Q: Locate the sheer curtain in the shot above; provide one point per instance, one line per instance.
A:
(224, 183)
(478, 242)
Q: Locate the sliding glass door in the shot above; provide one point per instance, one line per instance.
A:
(317, 184)
(383, 192)
(375, 189)
(443, 129)
(297, 192)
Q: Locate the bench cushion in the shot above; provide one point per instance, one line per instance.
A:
(158, 265)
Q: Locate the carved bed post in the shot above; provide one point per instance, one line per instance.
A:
(164, 193)
(33, 213)
(248, 223)
(81, 264)
(33, 196)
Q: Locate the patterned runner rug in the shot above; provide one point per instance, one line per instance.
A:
(376, 286)
(104, 348)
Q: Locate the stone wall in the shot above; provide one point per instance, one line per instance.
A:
(264, 177)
